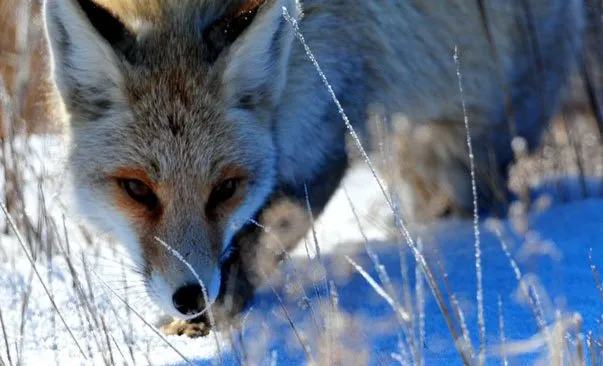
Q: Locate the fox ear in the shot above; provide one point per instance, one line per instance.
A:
(87, 43)
(256, 69)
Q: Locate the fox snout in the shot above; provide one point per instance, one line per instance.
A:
(189, 299)
(185, 292)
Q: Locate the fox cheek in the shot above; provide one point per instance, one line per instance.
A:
(155, 255)
(143, 226)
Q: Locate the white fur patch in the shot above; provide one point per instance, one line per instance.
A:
(108, 220)
(161, 293)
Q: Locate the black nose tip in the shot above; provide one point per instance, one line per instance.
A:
(188, 299)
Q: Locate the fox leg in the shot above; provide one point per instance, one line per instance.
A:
(182, 327)
(260, 247)
(434, 178)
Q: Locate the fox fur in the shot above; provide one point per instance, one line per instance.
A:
(182, 95)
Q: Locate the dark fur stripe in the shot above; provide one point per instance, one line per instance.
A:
(224, 31)
(108, 26)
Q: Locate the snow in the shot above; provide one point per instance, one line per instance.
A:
(349, 321)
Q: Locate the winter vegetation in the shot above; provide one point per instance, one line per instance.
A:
(362, 288)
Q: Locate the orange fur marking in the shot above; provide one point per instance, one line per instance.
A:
(232, 171)
(133, 173)
(144, 221)
(129, 205)
(251, 5)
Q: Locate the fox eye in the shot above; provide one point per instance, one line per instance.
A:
(224, 191)
(139, 192)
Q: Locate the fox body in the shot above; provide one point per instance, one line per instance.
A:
(195, 122)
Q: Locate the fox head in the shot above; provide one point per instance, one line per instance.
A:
(169, 105)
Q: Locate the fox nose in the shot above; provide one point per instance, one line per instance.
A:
(188, 299)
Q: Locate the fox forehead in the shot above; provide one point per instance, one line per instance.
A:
(173, 142)
(172, 131)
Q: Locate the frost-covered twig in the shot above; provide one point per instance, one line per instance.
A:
(37, 273)
(501, 326)
(289, 319)
(406, 325)
(344, 116)
(210, 314)
(593, 269)
(478, 252)
(379, 290)
(143, 319)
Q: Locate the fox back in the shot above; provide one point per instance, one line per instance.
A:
(393, 62)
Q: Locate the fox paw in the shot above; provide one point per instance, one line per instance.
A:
(186, 328)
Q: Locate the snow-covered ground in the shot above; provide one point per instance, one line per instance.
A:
(335, 314)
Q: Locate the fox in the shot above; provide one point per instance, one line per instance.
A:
(204, 127)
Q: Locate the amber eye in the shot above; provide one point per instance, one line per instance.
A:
(139, 192)
(224, 191)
